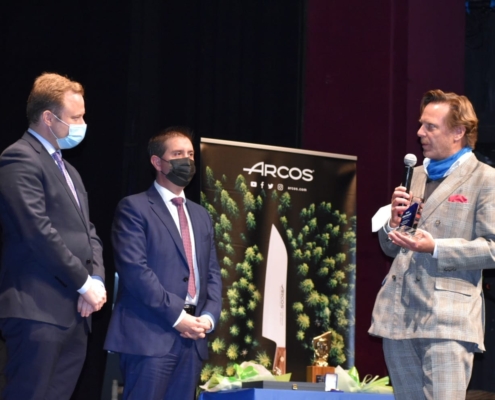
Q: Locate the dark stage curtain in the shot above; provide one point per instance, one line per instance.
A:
(228, 69)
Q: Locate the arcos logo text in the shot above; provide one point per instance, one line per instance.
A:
(281, 172)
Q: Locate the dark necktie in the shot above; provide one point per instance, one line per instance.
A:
(186, 240)
(61, 166)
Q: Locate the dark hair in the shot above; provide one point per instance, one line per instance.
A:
(157, 144)
(48, 94)
(461, 112)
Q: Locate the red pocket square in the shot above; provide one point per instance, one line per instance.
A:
(457, 198)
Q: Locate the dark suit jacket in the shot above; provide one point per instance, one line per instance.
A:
(153, 273)
(49, 245)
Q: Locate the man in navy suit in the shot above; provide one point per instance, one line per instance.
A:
(51, 273)
(169, 298)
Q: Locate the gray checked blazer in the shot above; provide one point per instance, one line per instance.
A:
(426, 297)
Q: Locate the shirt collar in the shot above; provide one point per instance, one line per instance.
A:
(46, 144)
(166, 194)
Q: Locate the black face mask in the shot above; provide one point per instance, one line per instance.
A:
(183, 170)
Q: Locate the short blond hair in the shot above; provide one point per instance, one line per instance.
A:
(48, 94)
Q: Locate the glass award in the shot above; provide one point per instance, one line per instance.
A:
(410, 218)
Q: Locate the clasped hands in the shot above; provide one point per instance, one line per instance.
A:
(421, 241)
(93, 299)
(191, 327)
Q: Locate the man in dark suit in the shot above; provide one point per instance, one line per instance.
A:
(169, 294)
(51, 274)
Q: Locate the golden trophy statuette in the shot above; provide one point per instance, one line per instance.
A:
(321, 346)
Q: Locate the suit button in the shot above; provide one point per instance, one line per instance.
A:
(403, 250)
(394, 277)
(437, 222)
(185, 279)
(88, 262)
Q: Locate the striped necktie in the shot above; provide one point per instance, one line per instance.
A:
(61, 166)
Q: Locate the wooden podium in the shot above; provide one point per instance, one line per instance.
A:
(317, 374)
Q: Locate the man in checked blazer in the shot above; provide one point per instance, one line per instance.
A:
(430, 310)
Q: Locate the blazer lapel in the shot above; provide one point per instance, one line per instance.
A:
(160, 209)
(60, 176)
(448, 187)
(81, 197)
(51, 167)
(82, 200)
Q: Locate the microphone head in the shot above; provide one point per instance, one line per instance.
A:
(410, 160)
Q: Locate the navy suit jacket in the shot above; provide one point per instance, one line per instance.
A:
(48, 244)
(153, 274)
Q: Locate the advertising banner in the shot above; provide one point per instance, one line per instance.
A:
(285, 231)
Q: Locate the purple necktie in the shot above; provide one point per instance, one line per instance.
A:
(186, 240)
(61, 166)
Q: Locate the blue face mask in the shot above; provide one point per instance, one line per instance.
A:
(75, 136)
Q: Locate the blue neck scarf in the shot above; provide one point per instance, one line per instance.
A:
(437, 169)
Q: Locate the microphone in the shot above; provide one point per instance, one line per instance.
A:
(407, 219)
(409, 161)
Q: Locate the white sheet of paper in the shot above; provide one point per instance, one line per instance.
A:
(380, 217)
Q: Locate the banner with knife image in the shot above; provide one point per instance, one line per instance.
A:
(285, 223)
